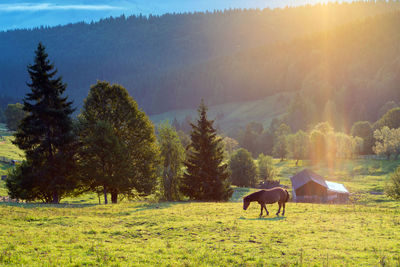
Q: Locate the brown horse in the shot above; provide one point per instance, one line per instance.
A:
(268, 196)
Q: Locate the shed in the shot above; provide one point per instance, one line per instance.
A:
(309, 186)
(337, 193)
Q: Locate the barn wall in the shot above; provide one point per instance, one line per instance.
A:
(311, 189)
(311, 192)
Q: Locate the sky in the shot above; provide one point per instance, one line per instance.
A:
(16, 14)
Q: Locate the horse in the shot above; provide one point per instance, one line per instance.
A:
(268, 196)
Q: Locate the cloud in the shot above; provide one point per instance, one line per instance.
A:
(48, 6)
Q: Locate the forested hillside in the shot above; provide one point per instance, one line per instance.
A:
(344, 75)
(171, 61)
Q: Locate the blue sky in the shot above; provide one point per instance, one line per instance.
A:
(33, 13)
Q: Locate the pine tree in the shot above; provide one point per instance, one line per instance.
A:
(46, 136)
(206, 176)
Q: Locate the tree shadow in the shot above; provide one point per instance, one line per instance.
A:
(160, 205)
(45, 205)
(277, 218)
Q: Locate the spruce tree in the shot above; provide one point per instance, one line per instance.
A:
(206, 176)
(46, 136)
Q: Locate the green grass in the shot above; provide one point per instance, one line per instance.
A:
(79, 232)
(198, 234)
(8, 149)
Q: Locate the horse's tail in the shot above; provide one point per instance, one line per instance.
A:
(287, 196)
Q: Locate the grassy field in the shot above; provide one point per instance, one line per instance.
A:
(79, 232)
(7, 149)
(198, 234)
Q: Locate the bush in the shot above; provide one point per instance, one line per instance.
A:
(243, 169)
(393, 189)
(266, 168)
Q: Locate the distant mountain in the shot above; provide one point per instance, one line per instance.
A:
(172, 61)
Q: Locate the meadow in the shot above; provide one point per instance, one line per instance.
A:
(198, 234)
(80, 232)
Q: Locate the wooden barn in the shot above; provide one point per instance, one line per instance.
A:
(307, 186)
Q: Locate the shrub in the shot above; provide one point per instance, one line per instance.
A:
(243, 169)
(266, 168)
(393, 189)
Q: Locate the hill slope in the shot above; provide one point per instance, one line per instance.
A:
(228, 117)
(356, 67)
(161, 59)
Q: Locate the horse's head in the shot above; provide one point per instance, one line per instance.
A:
(246, 203)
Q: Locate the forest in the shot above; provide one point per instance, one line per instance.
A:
(335, 54)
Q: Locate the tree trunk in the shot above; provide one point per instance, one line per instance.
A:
(56, 199)
(114, 197)
(105, 195)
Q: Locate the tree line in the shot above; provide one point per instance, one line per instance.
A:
(319, 144)
(111, 148)
(294, 134)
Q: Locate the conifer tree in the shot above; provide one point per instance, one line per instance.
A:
(46, 136)
(206, 176)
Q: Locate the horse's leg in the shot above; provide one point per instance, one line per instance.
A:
(279, 210)
(265, 207)
(261, 209)
(283, 212)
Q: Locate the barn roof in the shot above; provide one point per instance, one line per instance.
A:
(338, 188)
(306, 176)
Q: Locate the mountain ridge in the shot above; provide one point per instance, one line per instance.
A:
(163, 61)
